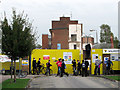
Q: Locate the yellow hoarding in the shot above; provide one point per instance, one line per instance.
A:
(53, 55)
(94, 53)
(6, 65)
(114, 57)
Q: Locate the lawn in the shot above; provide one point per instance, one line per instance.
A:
(113, 77)
(20, 83)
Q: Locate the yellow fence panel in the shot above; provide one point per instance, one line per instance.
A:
(6, 65)
(116, 65)
(99, 53)
(54, 55)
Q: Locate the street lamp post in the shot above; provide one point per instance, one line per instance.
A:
(96, 35)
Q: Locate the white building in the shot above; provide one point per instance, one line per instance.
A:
(75, 36)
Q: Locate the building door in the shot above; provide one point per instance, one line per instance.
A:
(105, 58)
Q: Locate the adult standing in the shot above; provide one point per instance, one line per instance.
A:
(34, 65)
(63, 67)
(86, 67)
(108, 65)
(83, 68)
(59, 64)
(97, 66)
(78, 68)
(74, 66)
(48, 68)
(38, 65)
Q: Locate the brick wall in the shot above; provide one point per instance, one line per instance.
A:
(59, 36)
(60, 32)
(63, 23)
(45, 41)
(90, 40)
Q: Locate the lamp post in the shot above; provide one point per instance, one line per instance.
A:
(96, 35)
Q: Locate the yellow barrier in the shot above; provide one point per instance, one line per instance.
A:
(99, 53)
(6, 65)
(0, 66)
(54, 55)
(116, 65)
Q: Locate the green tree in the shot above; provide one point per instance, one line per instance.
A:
(38, 46)
(17, 38)
(116, 42)
(105, 33)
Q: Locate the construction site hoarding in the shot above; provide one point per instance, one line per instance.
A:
(53, 55)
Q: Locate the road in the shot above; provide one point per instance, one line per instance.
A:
(72, 82)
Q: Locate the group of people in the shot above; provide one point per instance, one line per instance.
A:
(35, 65)
(107, 64)
(61, 68)
(60, 64)
(39, 65)
(78, 68)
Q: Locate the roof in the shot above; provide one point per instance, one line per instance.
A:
(58, 28)
(102, 46)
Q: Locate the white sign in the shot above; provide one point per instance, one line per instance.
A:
(67, 56)
(115, 57)
(105, 51)
(4, 58)
(46, 57)
(53, 58)
(25, 62)
(106, 59)
(93, 50)
(94, 57)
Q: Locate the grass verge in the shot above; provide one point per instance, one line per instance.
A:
(113, 77)
(20, 83)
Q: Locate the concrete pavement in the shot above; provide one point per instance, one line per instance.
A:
(72, 82)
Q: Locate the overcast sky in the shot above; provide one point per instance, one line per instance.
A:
(92, 13)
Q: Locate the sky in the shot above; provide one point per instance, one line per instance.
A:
(92, 13)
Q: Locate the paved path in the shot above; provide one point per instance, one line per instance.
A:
(72, 82)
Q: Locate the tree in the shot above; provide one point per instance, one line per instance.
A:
(116, 42)
(105, 33)
(17, 38)
(38, 46)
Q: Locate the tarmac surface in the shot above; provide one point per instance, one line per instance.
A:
(42, 81)
(72, 82)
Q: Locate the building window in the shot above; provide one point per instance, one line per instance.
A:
(75, 46)
(73, 37)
